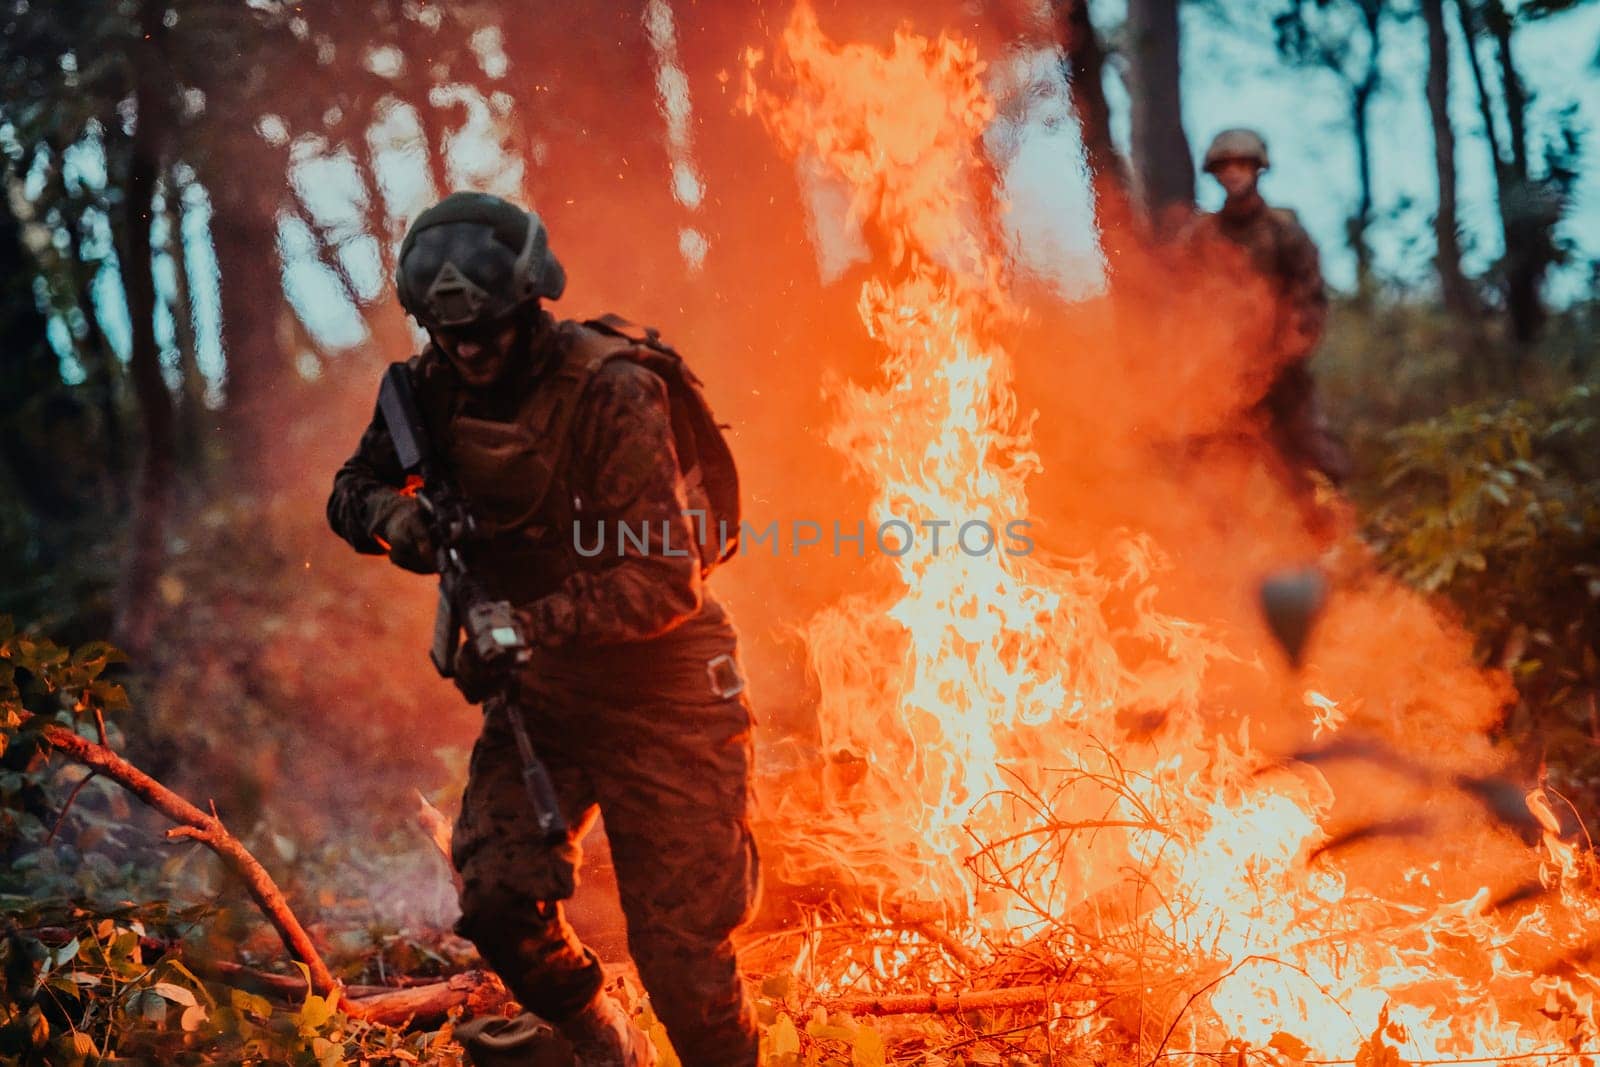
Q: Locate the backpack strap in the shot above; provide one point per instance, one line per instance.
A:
(558, 399)
(704, 459)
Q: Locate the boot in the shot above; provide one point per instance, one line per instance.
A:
(602, 1036)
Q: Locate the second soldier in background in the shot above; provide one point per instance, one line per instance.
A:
(1249, 240)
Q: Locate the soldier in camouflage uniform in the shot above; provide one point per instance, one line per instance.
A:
(1248, 238)
(633, 700)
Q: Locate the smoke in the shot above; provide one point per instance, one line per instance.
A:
(1158, 509)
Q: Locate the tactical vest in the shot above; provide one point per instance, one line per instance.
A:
(515, 472)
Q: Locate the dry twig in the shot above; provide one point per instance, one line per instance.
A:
(955, 1003)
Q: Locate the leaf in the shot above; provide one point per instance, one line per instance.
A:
(777, 986)
(152, 1007)
(315, 1013)
(94, 657)
(867, 1049)
(193, 1016)
(1289, 1045)
(175, 993)
(38, 1027)
(285, 847)
(784, 1038)
(109, 695)
(250, 1003)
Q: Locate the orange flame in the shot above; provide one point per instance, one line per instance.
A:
(1031, 748)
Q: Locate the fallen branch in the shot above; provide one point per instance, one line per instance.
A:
(420, 1002)
(207, 829)
(480, 991)
(954, 1003)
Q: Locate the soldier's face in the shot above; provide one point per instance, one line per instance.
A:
(479, 357)
(1236, 176)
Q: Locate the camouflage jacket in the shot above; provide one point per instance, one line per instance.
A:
(1271, 244)
(618, 467)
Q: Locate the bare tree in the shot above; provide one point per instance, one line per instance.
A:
(1161, 158)
(1530, 205)
(1346, 38)
(1083, 62)
(146, 548)
(1454, 287)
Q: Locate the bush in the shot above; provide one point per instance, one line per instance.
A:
(1496, 505)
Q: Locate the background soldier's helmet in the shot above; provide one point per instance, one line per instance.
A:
(1236, 144)
(472, 258)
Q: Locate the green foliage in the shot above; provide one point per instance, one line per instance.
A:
(1490, 482)
(82, 980)
(1497, 506)
(42, 682)
(76, 986)
(41, 677)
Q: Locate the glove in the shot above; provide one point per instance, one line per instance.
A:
(477, 679)
(400, 524)
(471, 675)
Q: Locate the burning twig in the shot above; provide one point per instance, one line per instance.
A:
(955, 1003)
(1230, 972)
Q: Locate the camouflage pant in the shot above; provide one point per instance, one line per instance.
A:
(668, 762)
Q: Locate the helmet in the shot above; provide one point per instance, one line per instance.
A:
(472, 258)
(1236, 144)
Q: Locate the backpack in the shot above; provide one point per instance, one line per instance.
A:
(707, 464)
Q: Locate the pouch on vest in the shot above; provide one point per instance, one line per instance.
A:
(709, 474)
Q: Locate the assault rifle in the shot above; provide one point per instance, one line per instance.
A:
(465, 608)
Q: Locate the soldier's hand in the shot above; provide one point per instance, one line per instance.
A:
(402, 526)
(471, 675)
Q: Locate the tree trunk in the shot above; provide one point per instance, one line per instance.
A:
(1526, 256)
(192, 389)
(1083, 64)
(30, 379)
(1470, 31)
(1525, 233)
(102, 371)
(245, 185)
(1498, 22)
(1453, 286)
(1161, 157)
(135, 621)
(604, 155)
(417, 85)
(28, 367)
(101, 368)
(1360, 112)
(1361, 94)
